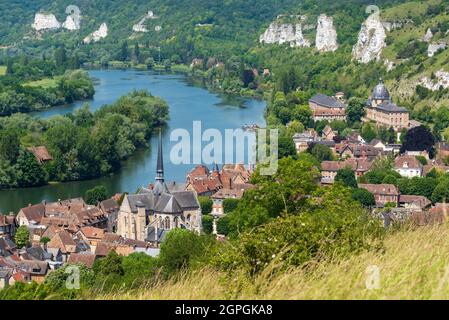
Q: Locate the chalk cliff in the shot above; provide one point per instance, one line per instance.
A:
(45, 21)
(280, 33)
(371, 40)
(97, 35)
(326, 35)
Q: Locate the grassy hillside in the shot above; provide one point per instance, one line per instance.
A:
(414, 265)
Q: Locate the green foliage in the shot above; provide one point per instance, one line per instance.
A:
(230, 204)
(355, 110)
(441, 192)
(347, 177)
(368, 132)
(207, 222)
(183, 249)
(419, 139)
(206, 204)
(363, 196)
(223, 226)
(321, 152)
(95, 195)
(333, 225)
(22, 237)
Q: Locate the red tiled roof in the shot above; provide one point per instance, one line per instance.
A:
(35, 212)
(388, 189)
(407, 162)
(86, 259)
(41, 153)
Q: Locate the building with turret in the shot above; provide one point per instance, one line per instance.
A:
(381, 110)
(151, 213)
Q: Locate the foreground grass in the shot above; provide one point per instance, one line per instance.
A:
(414, 265)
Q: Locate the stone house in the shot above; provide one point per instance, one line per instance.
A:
(383, 193)
(408, 166)
(63, 241)
(327, 108)
(8, 225)
(381, 110)
(329, 134)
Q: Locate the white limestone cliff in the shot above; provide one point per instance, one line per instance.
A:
(326, 35)
(289, 33)
(71, 24)
(435, 47)
(441, 81)
(140, 26)
(97, 35)
(389, 65)
(428, 36)
(371, 40)
(45, 21)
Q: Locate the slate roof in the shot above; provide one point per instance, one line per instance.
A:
(146, 198)
(380, 92)
(326, 101)
(390, 107)
(167, 204)
(109, 205)
(186, 199)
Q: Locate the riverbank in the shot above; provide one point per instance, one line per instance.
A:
(188, 100)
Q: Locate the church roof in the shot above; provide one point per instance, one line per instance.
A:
(186, 199)
(390, 107)
(380, 92)
(167, 204)
(145, 198)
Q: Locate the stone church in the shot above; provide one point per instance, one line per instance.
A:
(151, 213)
(380, 109)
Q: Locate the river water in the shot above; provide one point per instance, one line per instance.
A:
(188, 102)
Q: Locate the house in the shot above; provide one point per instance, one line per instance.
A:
(86, 259)
(7, 247)
(414, 202)
(150, 211)
(92, 236)
(357, 150)
(31, 215)
(221, 195)
(329, 134)
(41, 154)
(329, 169)
(8, 225)
(110, 209)
(408, 166)
(376, 143)
(302, 140)
(439, 168)
(383, 193)
(327, 108)
(63, 241)
(5, 276)
(381, 110)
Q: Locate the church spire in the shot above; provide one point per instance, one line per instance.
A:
(160, 161)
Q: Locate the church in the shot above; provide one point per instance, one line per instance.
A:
(380, 109)
(151, 213)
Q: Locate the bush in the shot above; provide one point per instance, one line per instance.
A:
(208, 222)
(230, 204)
(95, 195)
(206, 204)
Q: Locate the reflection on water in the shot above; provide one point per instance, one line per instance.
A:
(187, 103)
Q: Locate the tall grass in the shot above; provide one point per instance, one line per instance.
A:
(414, 265)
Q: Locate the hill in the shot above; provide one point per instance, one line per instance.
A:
(417, 270)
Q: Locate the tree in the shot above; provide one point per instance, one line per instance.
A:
(208, 222)
(95, 195)
(322, 152)
(22, 237)
(61, 58)
(347, 177)
(363, 196)
(9, 145)
(111, 265)
(286, 147)
(230, 205)
(181, 249)
(29, 172)
(124, 53)
(206, 204)
(419, 139)
(355, 110)
(303, 114)
(368, 132)
(441, 192)
(223, 226)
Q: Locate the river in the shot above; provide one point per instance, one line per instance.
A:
(188, 102)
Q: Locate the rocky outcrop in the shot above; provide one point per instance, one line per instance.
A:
(280, 33)
(435, 47)
(45, 21)
(389, 65)
(371, 40)
(140, 26)
(96, 36)
(326, 35)
(441, 81)
(428, 36)
(71, 24)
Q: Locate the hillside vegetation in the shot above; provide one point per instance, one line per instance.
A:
(413, 265)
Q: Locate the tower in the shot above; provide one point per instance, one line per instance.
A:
(160, 187)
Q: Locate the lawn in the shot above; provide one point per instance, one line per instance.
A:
(44, 83)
